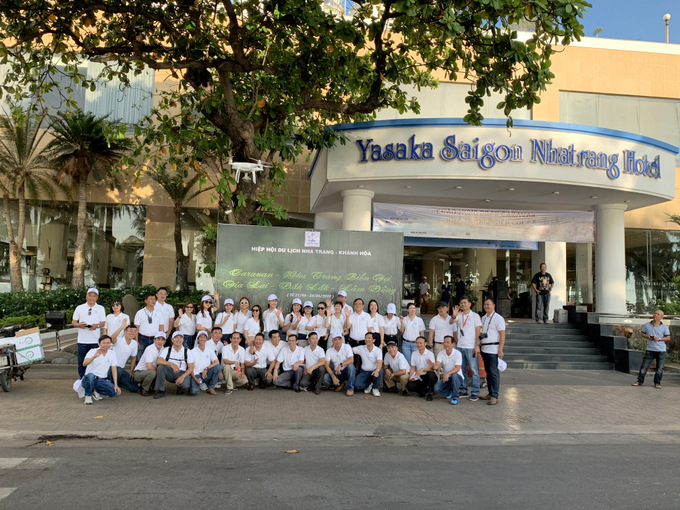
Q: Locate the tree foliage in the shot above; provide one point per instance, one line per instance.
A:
(265, 78)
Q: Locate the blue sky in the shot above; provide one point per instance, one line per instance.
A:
(638, 20)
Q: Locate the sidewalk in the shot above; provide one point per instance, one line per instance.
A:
(532, 402)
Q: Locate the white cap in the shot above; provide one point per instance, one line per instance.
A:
(160, 334)
(297, 301)
(391, 308)
(424, 277)
(228, 301)
(202, 332)
(342, 293)
(337, 334)
(206, 298)
(308, 304)
(176, 333)
(92, 289)
(502, 365)
(272, 297)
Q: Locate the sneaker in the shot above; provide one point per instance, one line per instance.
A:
(96, 395)
(463, 394)
(160, 394)
(370, 387)
(454, 401)
(218, 385)
(228, 392)
(376, 392)
(429, 397)
(393, 389)
(88, 400)
(203, 386)
(474, 398)
(303, 388)
(405, 393)
(448, 397)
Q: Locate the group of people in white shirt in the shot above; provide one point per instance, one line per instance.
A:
(341, 347)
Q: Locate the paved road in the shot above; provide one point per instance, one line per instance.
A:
(595, 473)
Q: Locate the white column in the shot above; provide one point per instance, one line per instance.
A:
(554, 254)
(610, 259)
(357, 209)
(328, 221)
(584, 272)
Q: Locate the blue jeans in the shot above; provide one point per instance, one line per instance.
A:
(125, 382)
(348, 374)
(542, 300)
(144, 342)
(364, 379)
(450, 387)
(93, 383)
(473, 363)
(189, 341)
(493, 376)
(660, 358)
(210, 380)
(408, 348)
(83, 349)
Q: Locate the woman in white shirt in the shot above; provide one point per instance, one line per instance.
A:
(391, 324)
(338, 320)
(321, 322)
(305, 321)
(292, 322)
(242, 315)
(376, 324)
(116, 321)
(186, 324)
(204, 317)
(225, 320)
(253, 326)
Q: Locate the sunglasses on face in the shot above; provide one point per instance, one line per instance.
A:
(320, 307)
(189, 307)
(245, 303)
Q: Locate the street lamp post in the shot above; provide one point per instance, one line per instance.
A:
(666, 17)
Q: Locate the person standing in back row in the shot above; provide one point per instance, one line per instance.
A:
(542, 283)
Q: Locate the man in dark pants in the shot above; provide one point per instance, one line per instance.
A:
(460, 288)
(422, 377)
(315, 364)
(88, 318)
(542, 283)
(260, 361)
(492, 340)
(657, 334)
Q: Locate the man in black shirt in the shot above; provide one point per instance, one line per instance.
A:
(542, 283)
(460, 288)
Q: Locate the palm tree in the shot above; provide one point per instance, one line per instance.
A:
(81, 147)
(24, 173)
(180, 189)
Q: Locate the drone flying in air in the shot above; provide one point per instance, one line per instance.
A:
(245, 168)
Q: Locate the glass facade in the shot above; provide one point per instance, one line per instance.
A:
(114, 254)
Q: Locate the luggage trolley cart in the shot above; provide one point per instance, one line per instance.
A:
(17, 353)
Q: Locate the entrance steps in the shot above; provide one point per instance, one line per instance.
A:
(530, 345)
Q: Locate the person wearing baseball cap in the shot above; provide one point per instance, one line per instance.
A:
(292, 321)
(145, 369)
(88, 318)
(225, 320)
(391, 325)
(306, 325)
(175, 364)
(340, 369)
(346, 309)
(396, 369)
(272, 317)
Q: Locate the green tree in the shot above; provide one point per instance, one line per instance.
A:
(84, 145)
(265, 78)
(25, 173)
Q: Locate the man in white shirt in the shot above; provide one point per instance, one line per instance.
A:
(215, 342)
(449, 360)
(358, 324)
(340, 369)
(149, 320)
(97, 364)
(291, 360)
(260, 363)
(126, 349)
(274, 343)
(88, 318)
(369, 378)
(145, 370)
(234, 364)
(411, 328)
(492, 340)
(315, 364)
(469, 327)
(396, 369)
(175, 364)
(166, 309)
(424, 290)
(440, 326)
(206, 371)
(422, 377)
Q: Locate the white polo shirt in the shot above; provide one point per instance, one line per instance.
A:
(167, 310)
(291, 319)
(101, 364)
(359, 324)
(240, 320)
(204, 319)
(449, 362)
(412, 328)
(83, 314)
(236, 358)
(142, 318)
(275, 350)
(288, 358)
(337, 357)
(113, 322)
(312, 357)
(467, 335)
(215, 346)
(125, 351)
(420, 360)
(391, 325)
(319, 323)
(492, 327)
(150, 355)
(187, 325)
(262, 358)
(338, 324)
(304, 322)
(202, 358)
(252, 327)
(271, 321)
(177, 357)
(369, 359)
(376, 322)
(228, 326)
(397, 363)
(441, 328)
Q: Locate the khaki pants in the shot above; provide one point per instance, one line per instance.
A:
(145, 378)
(232, 377)
(438, 347)
(389, 383)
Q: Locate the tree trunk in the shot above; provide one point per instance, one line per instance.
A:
(181, 260)
(81, 238)
(15, 278)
